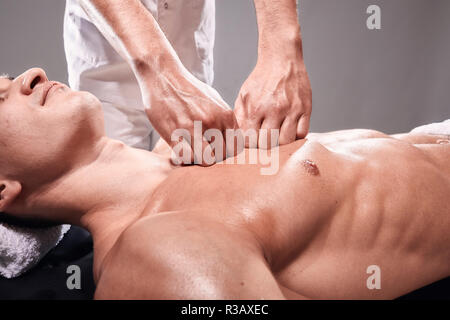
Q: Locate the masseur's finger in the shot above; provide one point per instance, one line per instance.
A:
(208, 157)
(250, 129)
(182, 145)
(247, 122)
(224, 154)
(219, 149)
(303, 126)
(181, 152)
(288, 131)
(235, 142)
(202, 151)
(231, 146)
(265, 133)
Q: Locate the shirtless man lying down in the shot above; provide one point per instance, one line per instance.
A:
(340, 202)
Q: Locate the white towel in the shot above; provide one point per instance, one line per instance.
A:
(22, 248)
(439, 128)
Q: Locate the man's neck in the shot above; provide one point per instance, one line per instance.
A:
(106, 194)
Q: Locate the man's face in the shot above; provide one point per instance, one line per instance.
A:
(44, 126)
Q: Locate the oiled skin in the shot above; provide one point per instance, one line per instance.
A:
(228, 232)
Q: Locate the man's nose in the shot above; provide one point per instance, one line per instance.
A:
(31, 79)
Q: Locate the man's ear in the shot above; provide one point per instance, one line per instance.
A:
(9, 190)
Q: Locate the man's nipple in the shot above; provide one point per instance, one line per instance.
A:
(310, 167)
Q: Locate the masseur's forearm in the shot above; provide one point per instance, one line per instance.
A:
(134, 33)
(279, 29)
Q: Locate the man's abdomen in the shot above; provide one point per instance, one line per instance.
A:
(393, 220)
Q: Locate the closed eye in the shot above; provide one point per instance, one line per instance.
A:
(3, 98)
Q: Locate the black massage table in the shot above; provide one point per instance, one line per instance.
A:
(48, 279)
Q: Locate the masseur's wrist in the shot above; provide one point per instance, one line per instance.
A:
(150, 66)
(285, 44)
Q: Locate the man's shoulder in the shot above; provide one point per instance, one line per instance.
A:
(136, 242)
(128, 261)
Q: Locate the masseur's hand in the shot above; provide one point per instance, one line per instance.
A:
(179, 101)
(276, 95)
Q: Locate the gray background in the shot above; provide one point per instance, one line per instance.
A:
(391, 80)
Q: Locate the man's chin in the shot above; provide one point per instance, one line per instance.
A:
(89, 100)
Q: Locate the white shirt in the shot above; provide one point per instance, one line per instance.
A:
(94, 66)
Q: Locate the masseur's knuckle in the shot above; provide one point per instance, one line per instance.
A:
(185, 123)
(283, 107)
(230, 118)
(242, 124)
(238, 112)
(286, 140)
(209, 121)
(275, 112)
(306, 102)
(243, 96)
